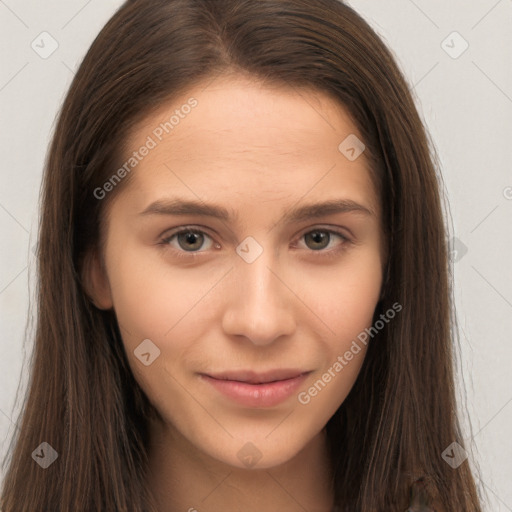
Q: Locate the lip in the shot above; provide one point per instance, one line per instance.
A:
(257, 389)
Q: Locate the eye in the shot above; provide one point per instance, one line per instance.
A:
(187, 239)
(321, 238)
(187, 242)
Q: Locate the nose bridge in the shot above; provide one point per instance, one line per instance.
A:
(260, 306)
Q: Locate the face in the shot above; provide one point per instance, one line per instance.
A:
(238, 301)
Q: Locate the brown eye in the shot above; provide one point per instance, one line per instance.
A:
(318, 239)
(190, 240)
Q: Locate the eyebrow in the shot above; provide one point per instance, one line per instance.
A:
(176, 206)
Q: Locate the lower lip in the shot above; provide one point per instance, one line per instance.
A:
(257, 395)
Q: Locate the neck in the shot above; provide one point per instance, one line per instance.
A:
(183, 478)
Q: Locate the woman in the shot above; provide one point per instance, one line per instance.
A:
(173, 379)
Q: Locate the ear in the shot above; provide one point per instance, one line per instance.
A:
(95, 281)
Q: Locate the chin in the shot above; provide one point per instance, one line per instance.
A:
(261, 452)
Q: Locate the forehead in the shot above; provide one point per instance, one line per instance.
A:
(236, 139)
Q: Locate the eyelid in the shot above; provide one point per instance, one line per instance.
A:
(185, 228)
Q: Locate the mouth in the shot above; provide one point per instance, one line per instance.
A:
(250, 377)
(260, 390)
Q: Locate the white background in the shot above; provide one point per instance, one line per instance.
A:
(466, 103)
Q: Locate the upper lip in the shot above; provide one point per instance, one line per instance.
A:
(252, 377)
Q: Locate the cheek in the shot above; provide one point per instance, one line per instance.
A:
(347, 307)
(153, 302)
(137, 299)
(150, 297)
(347, 301)
(156, 302)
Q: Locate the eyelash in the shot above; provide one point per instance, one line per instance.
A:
(192, 255)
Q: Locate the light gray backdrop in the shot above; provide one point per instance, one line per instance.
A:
(456, 56)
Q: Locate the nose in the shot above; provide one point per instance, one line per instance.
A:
(261, 301)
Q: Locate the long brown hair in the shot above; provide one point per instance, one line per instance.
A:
(83, 400)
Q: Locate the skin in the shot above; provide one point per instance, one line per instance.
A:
(258, 151)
